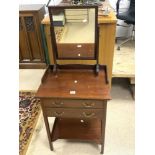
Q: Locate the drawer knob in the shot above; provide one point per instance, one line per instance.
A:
(88, 115)
(79, 46)
(57, 103)
(88, 105)
(58, 113)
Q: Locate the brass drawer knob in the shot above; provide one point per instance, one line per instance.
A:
(57, 103)
(88, 115)
(79, 54)
(58, 113)
(88, 105)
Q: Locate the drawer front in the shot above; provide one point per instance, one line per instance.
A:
(76, 50)
(74, 113)
(73, 103)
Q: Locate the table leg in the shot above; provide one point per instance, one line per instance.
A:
(102, 143)
(48, 132)
(103, 122)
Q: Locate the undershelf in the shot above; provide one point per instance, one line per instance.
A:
(76, 129)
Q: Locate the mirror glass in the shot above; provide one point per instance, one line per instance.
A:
(74, 30)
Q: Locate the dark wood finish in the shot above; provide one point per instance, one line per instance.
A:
(48, 130)
(70, 103)
(33, 65)
(88, 104)
(70, 50)
(88, 86)
(89, 129)
(75, 113)
(103, 123)
(30, 43)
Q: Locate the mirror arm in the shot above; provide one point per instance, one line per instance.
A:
(48, 3)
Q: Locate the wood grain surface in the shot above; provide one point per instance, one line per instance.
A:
(83, 82)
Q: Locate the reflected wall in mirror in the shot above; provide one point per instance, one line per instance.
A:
(74, 31)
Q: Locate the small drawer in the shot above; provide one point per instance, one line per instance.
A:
(74, 113)
(73, 103)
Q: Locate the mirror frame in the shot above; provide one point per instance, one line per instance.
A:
(53, 38)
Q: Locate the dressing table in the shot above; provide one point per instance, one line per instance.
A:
(75, 94)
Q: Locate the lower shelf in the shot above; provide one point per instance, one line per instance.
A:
(77, 129)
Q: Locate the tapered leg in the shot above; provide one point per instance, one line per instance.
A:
(102, 134)
(48, 132)
(103, 122)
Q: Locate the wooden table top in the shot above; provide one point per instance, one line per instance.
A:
(74, 84)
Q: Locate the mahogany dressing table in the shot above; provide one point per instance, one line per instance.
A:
(76, 95)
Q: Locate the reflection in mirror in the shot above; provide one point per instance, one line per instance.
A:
(75, 32)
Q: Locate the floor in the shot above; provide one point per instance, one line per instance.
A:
(124, 61)
(30, 79)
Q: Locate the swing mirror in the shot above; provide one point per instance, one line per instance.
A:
(74, 31)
